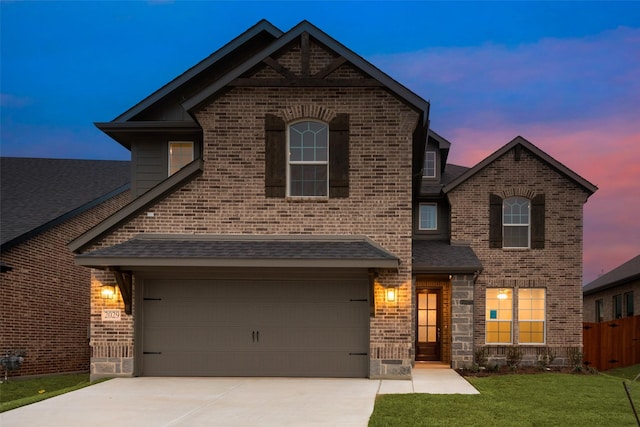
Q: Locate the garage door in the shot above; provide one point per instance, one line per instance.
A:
(278, 327)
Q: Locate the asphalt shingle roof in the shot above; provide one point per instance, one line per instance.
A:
(626, 272)
(440, 256)
(215, 249)
(36, 192)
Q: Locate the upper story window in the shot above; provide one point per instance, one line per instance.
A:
(180, 155)
(308, 171)
(429, 170)
(515, 222)
(428, 216)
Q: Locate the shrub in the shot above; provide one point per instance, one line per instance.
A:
(575, 358)
(545, 358)
(514, 357)
(480, 357)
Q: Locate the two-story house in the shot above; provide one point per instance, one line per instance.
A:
(294, 215)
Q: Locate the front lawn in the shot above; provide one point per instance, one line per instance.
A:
(545, 399)
(19, 392)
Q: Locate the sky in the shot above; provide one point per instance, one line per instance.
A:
(564, 75)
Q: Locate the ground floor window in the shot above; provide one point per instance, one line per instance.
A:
(531, 316)
(530, 320)
(499, 316)
(599, 310)
(617, 306)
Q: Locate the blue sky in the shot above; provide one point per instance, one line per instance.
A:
(565, 75)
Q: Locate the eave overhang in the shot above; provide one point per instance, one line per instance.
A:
(148, 251)
(125, 132)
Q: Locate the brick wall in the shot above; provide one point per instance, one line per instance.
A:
(229, 197)
(44, 308)
(557, 267)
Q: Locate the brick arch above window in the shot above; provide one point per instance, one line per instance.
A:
(308, 111)
(527, 193)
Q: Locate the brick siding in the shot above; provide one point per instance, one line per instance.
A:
(44, 308)
(557, 267)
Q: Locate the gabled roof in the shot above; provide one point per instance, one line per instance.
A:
(262, 27)
(38, 194)
(520, 141)
(305, 26)
(164, 188)
(625, 273)
(150, 250)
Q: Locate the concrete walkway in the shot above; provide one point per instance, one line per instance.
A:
(154, 402)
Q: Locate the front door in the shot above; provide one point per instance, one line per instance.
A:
(428, 328)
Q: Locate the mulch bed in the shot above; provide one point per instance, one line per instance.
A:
(505, 370)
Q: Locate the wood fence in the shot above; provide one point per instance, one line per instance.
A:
(612, 344)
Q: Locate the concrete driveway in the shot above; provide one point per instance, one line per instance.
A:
(158, 402)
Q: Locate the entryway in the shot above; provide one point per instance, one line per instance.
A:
(433, 319)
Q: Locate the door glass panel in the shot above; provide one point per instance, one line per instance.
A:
(432, 301)
(431, 318)
(422, 317)
(422, 301)
(432, 334)
(422, 333)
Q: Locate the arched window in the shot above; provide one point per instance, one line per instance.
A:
(516, 222)
(308, 159)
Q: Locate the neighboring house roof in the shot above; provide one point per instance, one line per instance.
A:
(625, 273)
(433, 256)
(520, 141)
(147, 250)
(38, 194)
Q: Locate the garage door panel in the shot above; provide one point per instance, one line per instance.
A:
(276, 327)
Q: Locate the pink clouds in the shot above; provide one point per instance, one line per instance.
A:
(577, 99)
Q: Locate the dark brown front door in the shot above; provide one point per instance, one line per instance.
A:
(428, 327)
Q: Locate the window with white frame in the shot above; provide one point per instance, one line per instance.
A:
(428, 216)
(515, 222)
(429, 170)
(308, 160)
(499, 316)
(180, 155)
(531, 316)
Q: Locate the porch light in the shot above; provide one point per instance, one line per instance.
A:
(391, 294)
(108, 291)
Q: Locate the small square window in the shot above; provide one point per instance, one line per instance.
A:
(180, 155)
(428, 216)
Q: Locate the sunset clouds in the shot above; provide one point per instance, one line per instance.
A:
(578, 99)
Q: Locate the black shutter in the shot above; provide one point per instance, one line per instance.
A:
(275, 167)
(537, 222)
(495, 221)
(339, 156)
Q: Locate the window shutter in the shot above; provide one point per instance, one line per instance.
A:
(495, 221)
(275, 157)
(339, 156)
(537, 222)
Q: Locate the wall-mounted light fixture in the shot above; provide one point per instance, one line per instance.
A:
(108, 291)
(391, 294)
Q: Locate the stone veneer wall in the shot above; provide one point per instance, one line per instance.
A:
(229, 198)
(462, 303)
(557, 267)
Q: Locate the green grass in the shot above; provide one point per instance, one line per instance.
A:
(19, 392)
(548, 399)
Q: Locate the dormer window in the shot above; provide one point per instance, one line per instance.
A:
(180, 155)
(429, 170)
